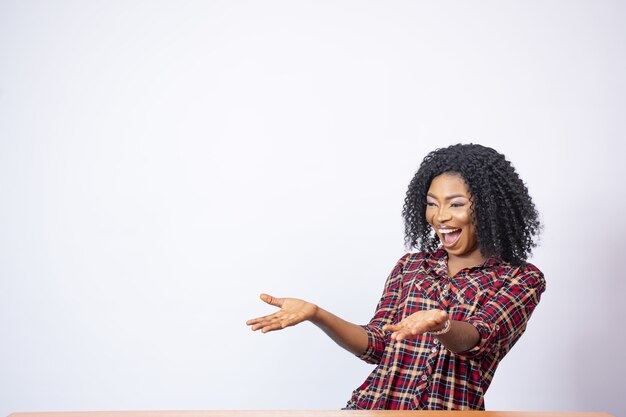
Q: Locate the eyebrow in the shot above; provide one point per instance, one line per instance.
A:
(450, 197)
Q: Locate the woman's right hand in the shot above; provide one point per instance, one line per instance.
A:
(292, 311)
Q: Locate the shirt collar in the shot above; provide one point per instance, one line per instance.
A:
(439, 263)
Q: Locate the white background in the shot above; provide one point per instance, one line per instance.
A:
(162, 163)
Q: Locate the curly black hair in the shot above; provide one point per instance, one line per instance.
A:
(505, 217)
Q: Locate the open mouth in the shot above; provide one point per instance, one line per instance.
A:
(449, 236)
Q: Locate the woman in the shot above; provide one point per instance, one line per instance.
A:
(449, 313)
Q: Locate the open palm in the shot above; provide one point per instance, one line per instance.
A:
(417, 323)
(292, 311)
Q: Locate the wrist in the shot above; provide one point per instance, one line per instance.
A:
(317, 315)
(443, 330)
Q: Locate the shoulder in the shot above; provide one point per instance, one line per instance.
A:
(525, 274)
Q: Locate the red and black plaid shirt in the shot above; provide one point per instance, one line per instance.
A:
(420, 373)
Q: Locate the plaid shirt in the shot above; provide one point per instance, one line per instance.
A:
(421, 373)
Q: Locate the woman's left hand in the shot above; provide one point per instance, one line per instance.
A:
(417, 323)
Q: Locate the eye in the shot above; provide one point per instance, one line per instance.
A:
(431, 204)
(457, 204)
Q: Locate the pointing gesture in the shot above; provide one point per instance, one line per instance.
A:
(292, 311)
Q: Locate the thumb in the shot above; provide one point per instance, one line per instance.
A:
(276, 302)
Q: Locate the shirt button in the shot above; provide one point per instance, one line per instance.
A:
(433, 349)
(436, 341)
(424, 378)
(444, 293)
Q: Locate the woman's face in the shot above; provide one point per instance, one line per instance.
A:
(449, 212)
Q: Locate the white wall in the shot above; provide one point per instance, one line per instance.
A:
(162, 163)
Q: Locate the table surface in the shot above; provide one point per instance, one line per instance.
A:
(307, 413)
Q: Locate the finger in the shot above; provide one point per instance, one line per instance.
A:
(272, 327)
(254, 321)
(276, 302)
(262, 325)
(398, 336)
(269, 317)
(407, 333)
(279, 323)
(391, 327)
(266, 320)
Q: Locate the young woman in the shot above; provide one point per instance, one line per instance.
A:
(450, 312)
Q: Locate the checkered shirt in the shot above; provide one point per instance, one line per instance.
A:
(420, 373)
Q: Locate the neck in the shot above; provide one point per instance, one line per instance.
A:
(458, 262)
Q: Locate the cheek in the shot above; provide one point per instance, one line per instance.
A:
(466, 218)
(472, 231)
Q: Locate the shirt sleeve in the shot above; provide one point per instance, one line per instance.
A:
(502, 319)
(385, 313)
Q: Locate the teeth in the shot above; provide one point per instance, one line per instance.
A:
(443, 231)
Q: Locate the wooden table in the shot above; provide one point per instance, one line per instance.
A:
(308, 413)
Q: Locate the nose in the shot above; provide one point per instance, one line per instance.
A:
(443, 215)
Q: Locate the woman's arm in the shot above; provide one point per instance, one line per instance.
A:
(461, 337)
(293, 311)
(366, 342)
(498, 324)
(349, 336)
(458, 337)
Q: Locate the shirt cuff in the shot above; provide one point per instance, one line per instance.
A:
(372, 352)
(487, 332)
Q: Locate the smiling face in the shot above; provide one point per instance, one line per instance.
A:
(449, 212)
